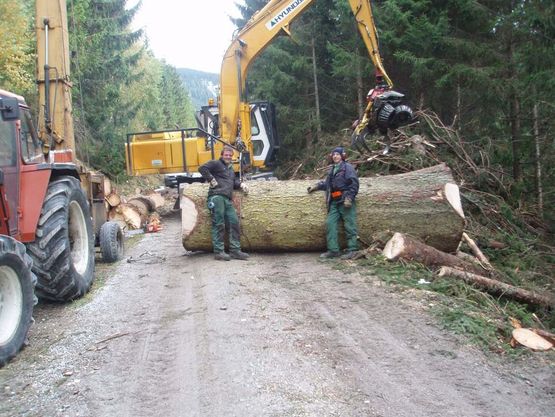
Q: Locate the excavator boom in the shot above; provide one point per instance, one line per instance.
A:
(253, 38)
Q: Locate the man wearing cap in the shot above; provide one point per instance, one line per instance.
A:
(219, 174)
(341, 186)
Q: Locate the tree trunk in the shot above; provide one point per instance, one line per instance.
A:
(316, 93)
(514, 114)
(499, 287)
(539, 185)
(477, 252)
(361, 96)
(128, 214)
(401, 246)
(282, 216)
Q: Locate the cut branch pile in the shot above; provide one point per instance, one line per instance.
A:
(473, 270)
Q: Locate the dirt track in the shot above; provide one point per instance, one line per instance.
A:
(278, 335)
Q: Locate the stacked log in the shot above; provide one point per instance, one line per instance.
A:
(282, 216)
(135, 213)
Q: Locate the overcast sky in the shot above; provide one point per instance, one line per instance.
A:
(188, 34)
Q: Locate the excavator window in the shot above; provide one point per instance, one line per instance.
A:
(255, 130)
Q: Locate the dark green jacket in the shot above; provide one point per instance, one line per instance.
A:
(224, 174)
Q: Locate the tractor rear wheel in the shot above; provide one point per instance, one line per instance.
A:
(17, 299)
(63, 251)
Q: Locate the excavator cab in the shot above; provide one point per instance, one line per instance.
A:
(264, 136)
(179, 153)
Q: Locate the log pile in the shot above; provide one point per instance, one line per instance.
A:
(139, 212)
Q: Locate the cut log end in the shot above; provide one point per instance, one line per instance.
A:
(453, 196)
(528, 338)
(189, 215)
(394, 247)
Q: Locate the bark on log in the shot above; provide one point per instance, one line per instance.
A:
(156, 200)
(499, 287)
(282, 216)
(140, 206)
(404, 247)
(489, 270)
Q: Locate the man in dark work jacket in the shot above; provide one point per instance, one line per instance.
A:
(219, 173)
(341, 186)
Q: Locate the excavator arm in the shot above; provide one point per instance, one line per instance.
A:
(272, 20)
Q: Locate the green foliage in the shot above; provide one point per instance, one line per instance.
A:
(16, 52)
(120, 87)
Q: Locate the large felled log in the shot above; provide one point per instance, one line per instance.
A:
(281, 215)
(401, 246)
(499, 287)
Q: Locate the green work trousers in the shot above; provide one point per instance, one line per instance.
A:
(224, 217)
(336, 213)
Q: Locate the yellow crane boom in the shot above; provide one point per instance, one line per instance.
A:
(253, 38)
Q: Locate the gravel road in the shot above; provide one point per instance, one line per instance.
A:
(172, 334)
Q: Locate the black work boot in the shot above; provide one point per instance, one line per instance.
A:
(349, 255)
(237, 254)
(329, 254)
(222, 256)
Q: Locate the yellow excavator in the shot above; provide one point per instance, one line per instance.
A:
(250, 127)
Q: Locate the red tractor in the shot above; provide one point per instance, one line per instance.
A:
(47, 233)
(52, 209)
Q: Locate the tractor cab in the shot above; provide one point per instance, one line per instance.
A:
(19, 148)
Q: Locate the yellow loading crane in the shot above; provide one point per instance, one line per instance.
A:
(250, 127)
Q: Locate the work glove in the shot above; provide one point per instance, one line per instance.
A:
(312, 188)
(348, 203)
(244, 188)
(213, 183)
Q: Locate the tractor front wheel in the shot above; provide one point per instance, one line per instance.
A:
(17, 299)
